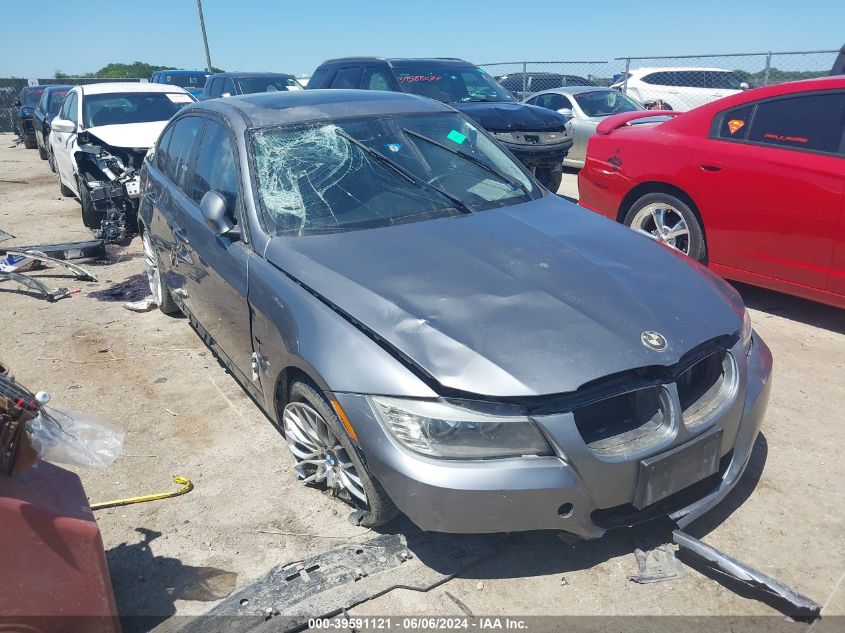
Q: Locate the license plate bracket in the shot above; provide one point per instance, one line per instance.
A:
(667, 473)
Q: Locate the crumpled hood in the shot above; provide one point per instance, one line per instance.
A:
(140, 135)
(537, 298)
(517, 117)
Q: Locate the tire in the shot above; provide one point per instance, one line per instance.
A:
(669, 220)
(91, 218)
(158, 289)
(377, 508)
(67, 192)
(42, 153)
(550, 177)
(29, 142)
(51, 161)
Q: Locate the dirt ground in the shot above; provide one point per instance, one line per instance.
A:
(184, 415)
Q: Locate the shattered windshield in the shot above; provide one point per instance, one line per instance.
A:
(250, 85)
(120, 108)
(377, 171)
(451, 84)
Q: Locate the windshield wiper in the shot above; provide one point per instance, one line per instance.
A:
(404, 173)
(489, 169)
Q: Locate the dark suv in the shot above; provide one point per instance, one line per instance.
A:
(538, 137)
(232, 84)
(523, 84)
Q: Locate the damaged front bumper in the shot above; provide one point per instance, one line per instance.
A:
(111, 178)
(578, 489)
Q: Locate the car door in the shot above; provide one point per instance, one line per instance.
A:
(64, 143)
(217, 285)
(769, 184)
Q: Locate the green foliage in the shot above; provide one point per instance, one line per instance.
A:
(134, 70)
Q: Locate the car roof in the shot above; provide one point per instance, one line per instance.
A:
(182, 71)
(400, 62)
(677, 69)
(128, 86)
(245, 74)
(52, 87)
(278, 108)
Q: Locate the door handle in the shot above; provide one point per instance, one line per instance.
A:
(711, 166)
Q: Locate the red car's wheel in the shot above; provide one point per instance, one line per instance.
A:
(670, 220)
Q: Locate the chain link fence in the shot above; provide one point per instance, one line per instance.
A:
(11, 87)
(678, 82)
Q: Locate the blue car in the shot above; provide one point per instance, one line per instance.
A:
(191, 80)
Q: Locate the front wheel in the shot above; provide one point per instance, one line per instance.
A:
(668, 220)
(29, 142)
(160, 293)
(324, 455)
(550, 177)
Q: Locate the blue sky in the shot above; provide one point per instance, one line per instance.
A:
(82, 36)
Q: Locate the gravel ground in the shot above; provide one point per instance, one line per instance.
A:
(183, 414)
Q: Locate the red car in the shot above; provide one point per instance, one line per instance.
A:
(752, 184)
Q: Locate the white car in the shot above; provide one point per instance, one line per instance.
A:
(99, 140)
(680, 89)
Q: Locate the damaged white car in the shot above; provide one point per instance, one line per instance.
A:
(99, 140)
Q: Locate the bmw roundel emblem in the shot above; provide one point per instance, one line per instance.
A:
(654, 340)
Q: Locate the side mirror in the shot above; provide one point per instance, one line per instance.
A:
(63, 125)
(214, 210)
(744, 86)
(566, 112)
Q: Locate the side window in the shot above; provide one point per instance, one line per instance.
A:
(161, 149)
(814, 122)
(211, 87)
(229, 87)
(375, 79)
(179, 150)
(71, 103)
(316, 80)
(734, 124)
(42, 104)
(556, 102)
(348, 78)
(652, 78)
(216, 169)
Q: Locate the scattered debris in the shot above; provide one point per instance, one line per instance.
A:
(657, 565)
(187, 486)
(143, 305)
(460, 604)
(51, 294)
(725, 566)
(69, 250)
(330, 583)
(20, 260)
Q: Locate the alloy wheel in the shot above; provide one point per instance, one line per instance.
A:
(664, 223)
(319, 455)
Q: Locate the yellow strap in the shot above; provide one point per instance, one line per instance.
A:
(186, 484)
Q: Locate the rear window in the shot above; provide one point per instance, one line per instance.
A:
(250, 85)
(185, 80)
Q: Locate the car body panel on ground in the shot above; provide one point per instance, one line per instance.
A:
(764, 170)
(588, 106)
(523, 309)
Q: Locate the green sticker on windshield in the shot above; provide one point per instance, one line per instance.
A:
(456, 137)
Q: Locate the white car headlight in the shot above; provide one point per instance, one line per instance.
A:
(532, 138)
(453, 430)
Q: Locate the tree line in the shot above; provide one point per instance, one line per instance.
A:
(116, 70)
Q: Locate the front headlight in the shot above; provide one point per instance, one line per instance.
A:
(747, 331)
(460, 430)
(531, 138)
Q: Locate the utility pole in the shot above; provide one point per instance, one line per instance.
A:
(204, 37)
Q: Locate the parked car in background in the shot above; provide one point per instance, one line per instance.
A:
(839, 63)
(680, 89)
(191, 80)
(243, 83)
(47, 108)
(523, 84)
(588, 106)
(26, 103)
(753, 185)
(536, 136)
(438, 334)
(98, 141)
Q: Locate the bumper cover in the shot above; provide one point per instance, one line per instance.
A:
(575, 490)
(539, 155)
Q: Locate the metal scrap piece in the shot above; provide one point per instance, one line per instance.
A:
(345, 576)
(722, 563)
(51, 295)
(657, 565)
(80, 273)
(5, 236)
(68, 250)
